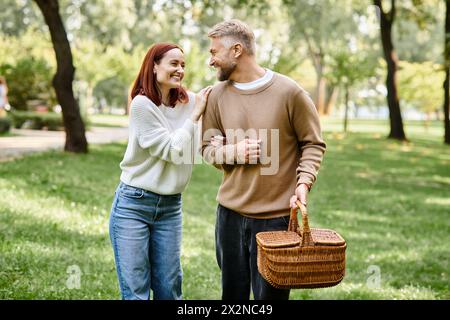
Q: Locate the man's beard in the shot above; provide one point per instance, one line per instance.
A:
(225, 72)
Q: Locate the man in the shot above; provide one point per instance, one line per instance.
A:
(263, 131)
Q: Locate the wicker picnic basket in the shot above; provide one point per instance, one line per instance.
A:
(308, 258)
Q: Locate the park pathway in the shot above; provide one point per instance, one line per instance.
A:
(26, 141)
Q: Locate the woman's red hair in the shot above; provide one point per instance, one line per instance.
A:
(145, 83)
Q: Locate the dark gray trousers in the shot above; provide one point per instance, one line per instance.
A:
(236, 252)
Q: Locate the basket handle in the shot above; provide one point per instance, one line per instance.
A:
(293, 224)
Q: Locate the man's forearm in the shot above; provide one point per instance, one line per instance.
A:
(225, 154)
(309, 164)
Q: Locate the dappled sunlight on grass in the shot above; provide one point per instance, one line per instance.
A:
(53, 210)
(438, 201)
(349, 290)
(370, 192)
(388, 199)
(55, 215)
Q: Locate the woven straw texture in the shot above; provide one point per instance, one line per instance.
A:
(307, 258)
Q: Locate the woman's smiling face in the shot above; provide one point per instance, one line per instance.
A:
(170, 69)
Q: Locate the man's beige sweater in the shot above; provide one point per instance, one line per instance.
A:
(282, 115)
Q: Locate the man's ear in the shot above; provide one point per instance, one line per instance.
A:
(237, 50)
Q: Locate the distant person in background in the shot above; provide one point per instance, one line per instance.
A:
(3, 97)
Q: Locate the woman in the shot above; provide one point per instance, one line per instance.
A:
(145, 222)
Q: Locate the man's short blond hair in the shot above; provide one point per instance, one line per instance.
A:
(236, 30)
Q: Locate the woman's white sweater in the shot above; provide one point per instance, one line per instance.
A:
(162, 145)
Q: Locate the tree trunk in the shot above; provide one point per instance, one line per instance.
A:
(447, 75)
(321, 92)
(331, 100)
(446, 107)
(395, 116)
(346, 108)
(317, 58)
(62, 81)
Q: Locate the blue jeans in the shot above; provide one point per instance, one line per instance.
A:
(145, 231)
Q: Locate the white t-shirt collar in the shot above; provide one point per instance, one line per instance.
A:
(255, 84)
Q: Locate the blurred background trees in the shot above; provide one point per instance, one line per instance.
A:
(332, 48)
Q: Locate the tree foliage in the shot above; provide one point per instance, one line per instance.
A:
(29, 79)
(331, 42)
(420, 85)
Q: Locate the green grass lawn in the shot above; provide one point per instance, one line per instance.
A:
(108, 120)
(389, 200)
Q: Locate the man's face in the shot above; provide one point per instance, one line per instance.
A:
(222, 59)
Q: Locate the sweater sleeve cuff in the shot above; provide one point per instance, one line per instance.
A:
(306, 178)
